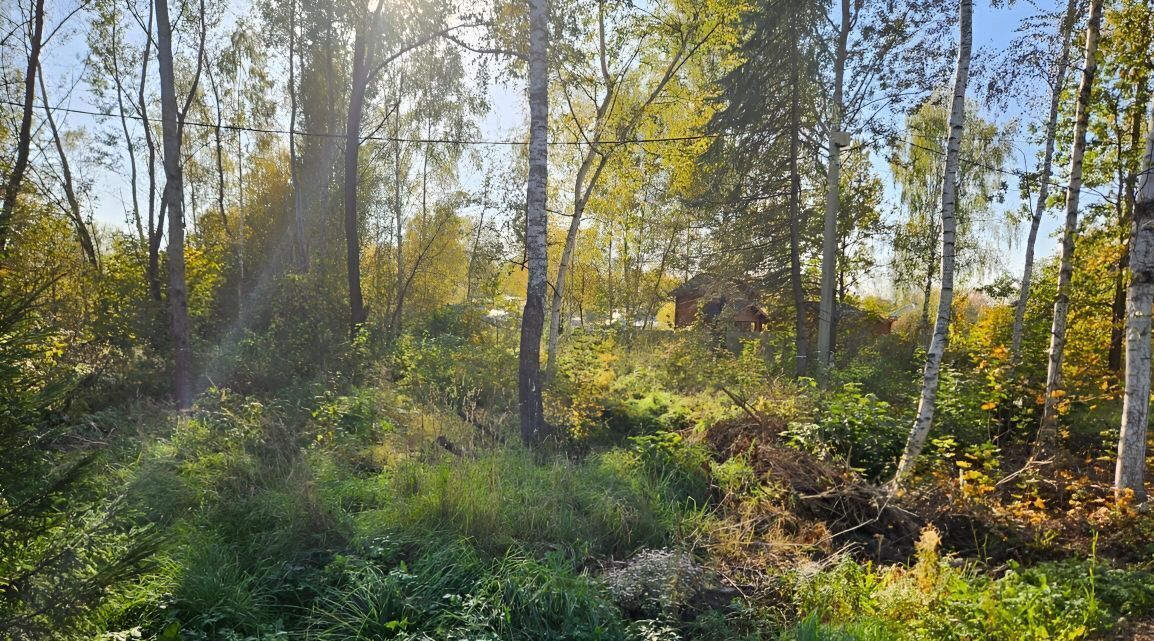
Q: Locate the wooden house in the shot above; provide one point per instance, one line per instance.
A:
(712, 299)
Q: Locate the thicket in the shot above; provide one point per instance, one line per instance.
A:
(684, 501)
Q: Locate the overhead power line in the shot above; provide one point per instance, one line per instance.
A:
(873, 145)
(325, 134)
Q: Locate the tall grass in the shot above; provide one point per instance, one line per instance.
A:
(606, 505)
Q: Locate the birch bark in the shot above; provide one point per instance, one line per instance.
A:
(1059, 82)
(932, 373)
(533, 428)
(1130, 468)
(1048, 431)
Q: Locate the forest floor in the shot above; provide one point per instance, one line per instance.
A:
(379, 510)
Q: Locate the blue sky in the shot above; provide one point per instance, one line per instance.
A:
(993, 29)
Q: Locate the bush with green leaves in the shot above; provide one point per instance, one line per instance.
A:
(454, 372)
(935, 600)
(855, 426)
(678, 467)
(67, 544)
(296, 334)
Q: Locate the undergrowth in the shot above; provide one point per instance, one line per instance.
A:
(336, 517)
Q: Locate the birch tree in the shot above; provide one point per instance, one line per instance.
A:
(531, 409)
(868, 48)
(1049, 427)
(932, 372)
(1130, 468)
(617, 115)
(413, 28)
(916, 165)
(1057, 85)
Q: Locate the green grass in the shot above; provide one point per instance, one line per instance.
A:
(273, 533)
(606, 505)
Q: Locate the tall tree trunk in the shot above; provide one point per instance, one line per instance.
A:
(1049, 427)
(581, 193)
(825, 319)
(24, 137)
(234, 240)
(173, 200)
(155, 215)
(399, 225)
(241, 223)
(801, 334)
(533, 427)
(352, 168)
(932, 374)
(1130, 468)
(130, 146)
(300, 235)
(596, 158)
(1129, 204)
(73, 209)
(1059, 82)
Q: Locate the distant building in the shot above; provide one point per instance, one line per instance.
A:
(712, 299)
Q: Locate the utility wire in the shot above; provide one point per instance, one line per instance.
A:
(320, 134)
(873, 145)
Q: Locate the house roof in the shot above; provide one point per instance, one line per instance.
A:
(705, 284)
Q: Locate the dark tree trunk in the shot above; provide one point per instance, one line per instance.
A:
(300, 244)
(73, 209)
(801, 333)
(155, 215)
(24, 137)
(352, 168)
(172, 200)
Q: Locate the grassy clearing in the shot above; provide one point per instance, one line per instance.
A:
(335, 523)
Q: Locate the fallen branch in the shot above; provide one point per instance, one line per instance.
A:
(744, 407)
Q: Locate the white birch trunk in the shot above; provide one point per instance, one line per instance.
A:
(1049, 428)
(931, 376)
(533, 428)
(1059, 82)
(595, 160)
(1130, 469)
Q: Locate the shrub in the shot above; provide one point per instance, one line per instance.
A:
(65, 546)
(867, 432)
(678, 467)
(935, 600)
(453, 372)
